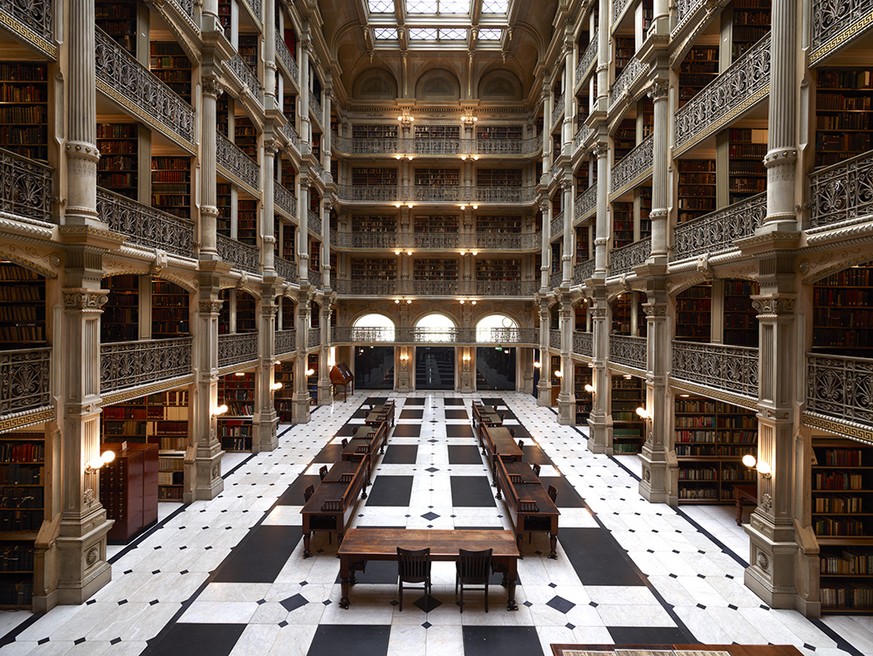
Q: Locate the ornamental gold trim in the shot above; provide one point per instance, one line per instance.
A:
(840, 428)
(130, 393)
(25, 419)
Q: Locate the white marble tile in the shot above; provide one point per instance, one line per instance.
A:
(224, 612)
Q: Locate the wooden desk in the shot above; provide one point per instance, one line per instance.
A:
(380, 413)
(487, 414)
(340, 471)
(678, 650)
(363, 544)
(747, 494)
(529, 504)
(498, 442)
(377, 433)
(332, 505)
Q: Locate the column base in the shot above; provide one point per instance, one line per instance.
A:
(207, 465)
(566, 411)
(82, 566)
(325, 393)
(771, 572)
(655, 484)
(266, 439)
(544, 396)
(599, 435)
(300, 410)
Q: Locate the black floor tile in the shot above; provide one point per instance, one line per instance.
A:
(453, 401)
(358, 639)
(420, 401)
(520, 430)
(390, 491)
(407, 430)
(459, 430)
(381, 572)
(472, 492)
(400, 454)
(597, 557)
(411, 414)
(464, 455)
(493, 401)
(330, 453)
(503, 640)
(533, 453)
(260, 556)
(375, 400)
(293, 496)
(195, 640)
(347, 430)
(456, 414)
(568, 497)
(650, 635)
(360, 413)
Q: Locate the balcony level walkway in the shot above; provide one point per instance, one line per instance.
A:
(227, 576)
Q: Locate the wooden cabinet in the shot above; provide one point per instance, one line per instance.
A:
(129, 490)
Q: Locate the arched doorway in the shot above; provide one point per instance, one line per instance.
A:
(435, 365)
(374, 364)
(495, 363)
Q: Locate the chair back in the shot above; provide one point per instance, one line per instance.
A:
(413, 566)
(520, 443)
(536, 468)
(553, 493)
(322, 472)
(344, 442)
(308, 492)
(474, 566)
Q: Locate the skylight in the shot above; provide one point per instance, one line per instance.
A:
(437, 34)
(380, 7)
(495, 6)
(438, 6)
(422, 34)
(385, 33)
(490, 34)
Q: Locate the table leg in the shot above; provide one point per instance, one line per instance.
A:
(346, 575)
(739, 512)
(512, 573)
(306, 539)
(519, 540)
(553, 544)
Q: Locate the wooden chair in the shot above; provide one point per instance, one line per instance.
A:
(553, 493)
(322, 472)
(344, 443)
(308, 492)
(413, 566)
(537, 523)
(520, 444)
(473, 568)
(536, 469)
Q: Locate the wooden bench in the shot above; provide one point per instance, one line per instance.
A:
(486, 414)
(529, 504)
(498, 442)
(381, 413)
(332, 505)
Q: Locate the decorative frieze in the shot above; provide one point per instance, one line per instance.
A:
(718, 231)
(129, 364)
(731, 368)
(145, 225)
(26, 189)
(628, 350)
(840, 387)
(24, 380)
(237, 348)
(842, 192)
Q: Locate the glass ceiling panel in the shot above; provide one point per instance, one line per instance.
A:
(452, 34)
(385, 33)
(438, 6)
(490, 34)
(422, 34)
(380, 6)
(422, 6)
(495, 6)
(454, 6)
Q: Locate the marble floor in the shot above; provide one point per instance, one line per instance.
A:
(227, 576)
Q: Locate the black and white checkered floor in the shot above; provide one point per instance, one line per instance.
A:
(227, 576)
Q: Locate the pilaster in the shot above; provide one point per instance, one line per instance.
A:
(544, 387)
(658, 92)
(567, 251)
(600, 419)
(567, 396)
(601, 225)
(325, 390)
(300, 399)
(266, 420)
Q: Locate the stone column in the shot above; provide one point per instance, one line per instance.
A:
(305, 121)
(546, 267)
(325, 392)
(544, 388)
(600, 419)
(659, 463)
(326, 207)
(203, 461)
(546, 97)
(468, 376)
(602, 222)
(303, 229)
(658, 92)
(266, 420)
(327, 136)
(567, 397)
(567, 256)
(569, 88)
(268, 212)
(271, 101)
(208, 167)
(300, 398)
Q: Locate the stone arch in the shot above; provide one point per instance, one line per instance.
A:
(440, 326)
(373, 327)
(496, 327)
(375, 84)
(500, 84)
(438, 84)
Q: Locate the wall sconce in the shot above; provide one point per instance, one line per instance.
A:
(404, 358)
(405, 120)
(96, 463)
(240, 374)
(627, 376)
(467, 158)
(469, 120)
(559, 374)
(537, 364)
(408, 158)
(762, 466)
(276, 387)
(310, 372)
(220, 410)
(398, 205)
(589, 388)
(643, 413)
(466, 358)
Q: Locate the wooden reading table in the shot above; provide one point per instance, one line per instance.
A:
(381, 413)
(363, 544)
(529, 504)
(486, 414)
(332, 505)
(498, 442)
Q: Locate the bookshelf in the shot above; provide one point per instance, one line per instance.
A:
(435, 269)
(284, 373)
(235, 428)
(314, 255)
(582, 376)
(288, 236)
(222, 113)
(751, 22)
(436, 131)
(844, 114)
(583, 244)
(699, 68)
(118, 167)
(170, 64)
(625, 48)
(170, 310)
(842, 315)
(437, 177)
(118, 20)
(436, 224)
(499, 177)
(374, 131)
(246, 317)
(644, 197)
(696, 188)
(22, 307)
(224, 312)
(711, 439)
(500, 225)
(622, 224)
(628, 429)
(498, 269)
(248, 51)
(22, 477)
(247, 221)
(224, 15)
(222, 202)
(740, 318)
(171, 185)
(246, 136)
(120, 320)
(694, 314)
(378, 224)
(624, 139)
(747, 173)
(506, 132)
(376, 268)
(842, 518)
(374, 176)
(24, 99)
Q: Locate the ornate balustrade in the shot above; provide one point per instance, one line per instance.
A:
(314, 277)
(583, 271)
(556, 229)
(284, 200)
(490, 146)
(31, 18)
(243, 256)
(313, 220)
(236, 164)
(505, 241)
(246, 76)
(255, 9)
(291, 134)
(285, 268)
(313, 337)
(449, 147)
(423, 146)
(842, 192)
(555, 339)
(684, 9)
(503, 194)
(368, 334)
(558, 108)
(237, 347)
(435, 193)
(436, 335)
(556, 278)
(27, 188)
(286, 341)
(365, 146)
(440, 240)
(505, 287)
(733, 92)
(628, 350)
(317, 170)
(586, 59)
(363, 334)
(586, 203)
(716, 232)
(315, 107)
(186, 7)
(134, 87)
(624, 259)
(836, 21)
(369, 193)
(365, 240)
(732, 368)
(286, 59)
(128, 364)
(434, 287)
(368, 287)
(634, 166)
(145, 225)
(618, 9)
(583, 343)
(626, 80)
(840, 387)
(506, 336)
(25, 376)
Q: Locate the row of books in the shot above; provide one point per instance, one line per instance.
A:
(16, 558)
(828, 526)
(847, 562)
